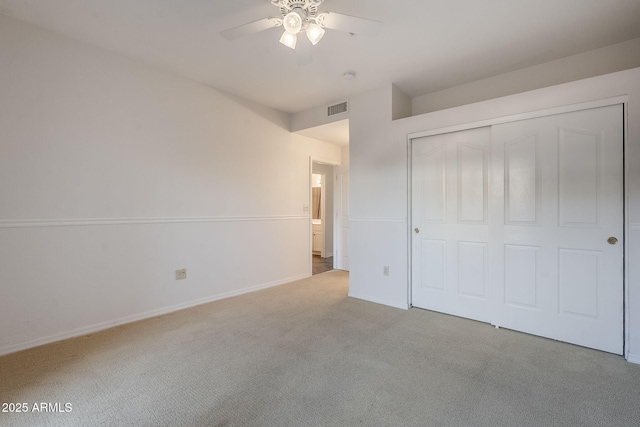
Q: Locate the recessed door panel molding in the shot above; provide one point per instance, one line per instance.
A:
(578, 279)
(522, 181)
(433, 186)
(541, 260)
(472, 259)
(521, 276)
(579, 167)
(434, 259)
(472, 183)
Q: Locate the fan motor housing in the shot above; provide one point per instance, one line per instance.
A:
(309, 6)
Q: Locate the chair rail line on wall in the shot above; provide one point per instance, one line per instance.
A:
(80, 222)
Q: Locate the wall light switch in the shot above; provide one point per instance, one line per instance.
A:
(385, 270)
(305, 208)
(181, 274)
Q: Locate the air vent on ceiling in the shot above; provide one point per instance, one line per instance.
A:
(340, 108)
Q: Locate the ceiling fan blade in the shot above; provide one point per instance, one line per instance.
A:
(303, 51)
(349, 24)
(250, 28)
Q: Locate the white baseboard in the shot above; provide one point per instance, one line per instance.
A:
(136, 317)
(633, 358)
(396, 304)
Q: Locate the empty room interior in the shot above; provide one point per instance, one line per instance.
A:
(320, 212)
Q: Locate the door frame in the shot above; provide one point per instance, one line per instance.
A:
(323, 212)
(333, 164)
(524, 116)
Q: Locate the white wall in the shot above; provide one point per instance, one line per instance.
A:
(609, 59)
(316, 116)
(378, 169)
(401, 104)
(378, 197)
(113, 174)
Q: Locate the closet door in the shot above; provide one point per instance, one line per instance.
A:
(521, 225)
(450, 224)
(557, 208)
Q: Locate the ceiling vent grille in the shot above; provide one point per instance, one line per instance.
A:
(340, 108)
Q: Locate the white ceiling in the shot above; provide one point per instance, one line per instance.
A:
(424, 46)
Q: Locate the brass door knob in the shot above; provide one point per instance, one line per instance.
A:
(612, 240)
(417, 230)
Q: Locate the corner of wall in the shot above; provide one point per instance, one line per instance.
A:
(401, 105)
(633, 358)
(315, 116)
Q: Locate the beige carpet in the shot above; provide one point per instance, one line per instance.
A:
(304, 354)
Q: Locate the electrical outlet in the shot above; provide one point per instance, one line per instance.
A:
(385, 270)
(181, 274)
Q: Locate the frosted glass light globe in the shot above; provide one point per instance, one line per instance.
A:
(292, 22)
(289, 40)
(315, 33)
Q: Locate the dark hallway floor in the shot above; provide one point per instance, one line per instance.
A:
(320, 265)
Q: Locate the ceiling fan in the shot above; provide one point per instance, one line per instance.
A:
(302, 16)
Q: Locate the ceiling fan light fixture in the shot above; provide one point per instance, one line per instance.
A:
(315, 33)
(292, 22)
(289, 40)
(298, 16)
